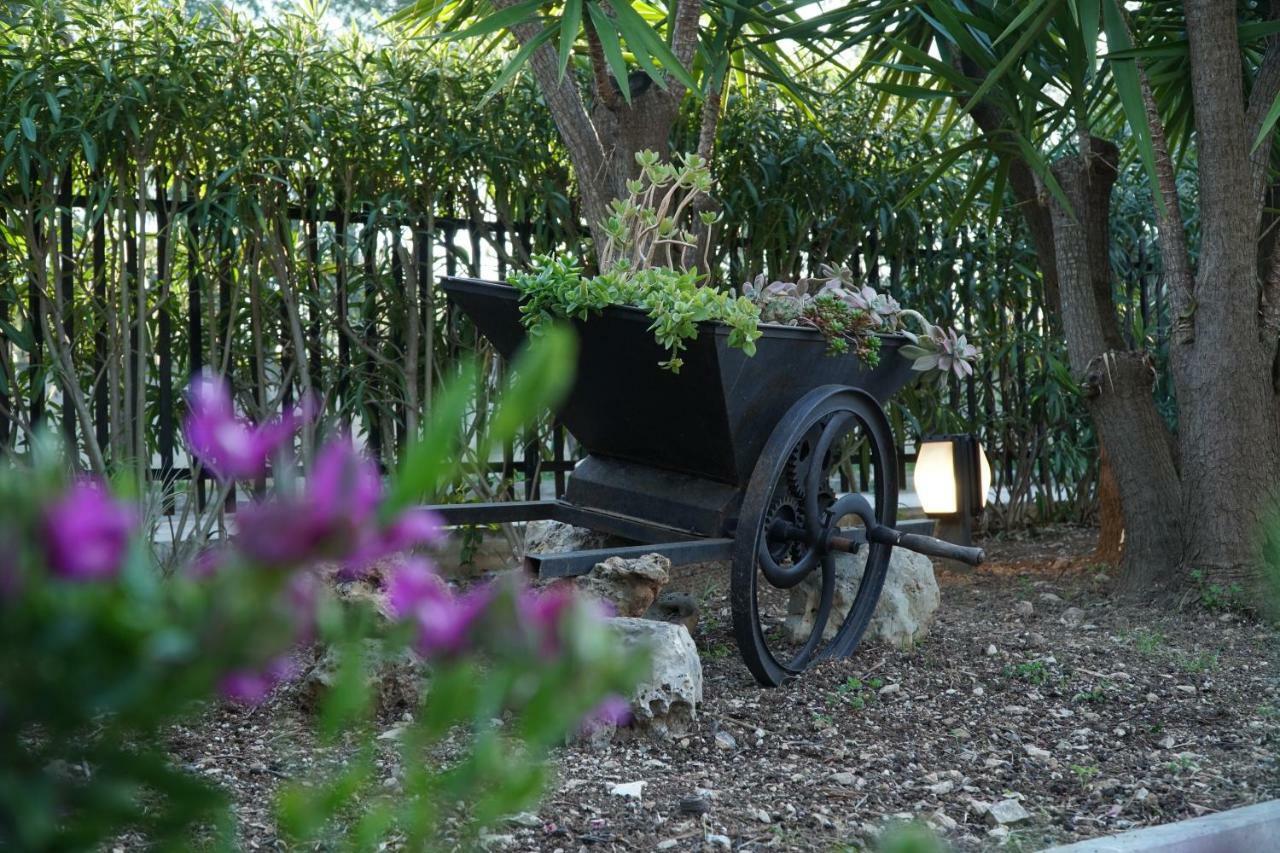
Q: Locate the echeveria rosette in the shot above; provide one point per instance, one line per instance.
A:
(85, 532)
(944, 350)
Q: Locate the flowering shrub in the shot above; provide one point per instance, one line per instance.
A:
(100, 654)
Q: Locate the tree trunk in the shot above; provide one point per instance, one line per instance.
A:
(1110, 548)
(1116, 382)
(1229, 418)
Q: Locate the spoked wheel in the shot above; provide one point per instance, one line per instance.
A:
(788, 610)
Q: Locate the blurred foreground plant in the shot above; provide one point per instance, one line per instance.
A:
(100, 654)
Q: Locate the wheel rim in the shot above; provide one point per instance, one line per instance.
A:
(786, 608)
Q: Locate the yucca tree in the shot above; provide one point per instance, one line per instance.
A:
(639, 61)
(1047, 106)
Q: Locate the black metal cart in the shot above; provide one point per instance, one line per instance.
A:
(735, 458)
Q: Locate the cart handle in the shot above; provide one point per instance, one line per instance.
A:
(855, 504)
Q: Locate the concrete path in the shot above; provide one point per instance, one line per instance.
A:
(1252, 829)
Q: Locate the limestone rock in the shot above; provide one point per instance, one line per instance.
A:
(630, 585)
(903, 614)
(1007, 813)
(666, 701)
(396, 679)
(553, 537)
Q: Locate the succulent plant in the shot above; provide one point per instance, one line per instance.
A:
(849, 313)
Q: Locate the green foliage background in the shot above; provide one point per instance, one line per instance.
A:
(238, 127)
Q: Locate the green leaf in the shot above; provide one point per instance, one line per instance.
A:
(1129, 88)
(22, 338)
(503, 20)
(638, 33)
(430, 461)
(611, 48)
(570, 24)
(28, 128)
(541, 377)
(1267, 124)
(520, 58)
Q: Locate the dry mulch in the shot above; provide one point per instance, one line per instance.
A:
(1098, 715)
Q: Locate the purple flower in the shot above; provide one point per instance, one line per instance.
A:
(281, 533)
(411, 584)
(543, 611)
(252, 686)
(444, 621)
(411, 529)
(343, 483)
(329, 519)
(444, 625)
(231, 446)
(209, 562)
(615, 710)
(86, 532)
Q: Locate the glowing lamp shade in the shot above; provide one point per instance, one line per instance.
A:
(936, 478)
(941, 472)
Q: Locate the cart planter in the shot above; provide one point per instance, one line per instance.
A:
(733, 458)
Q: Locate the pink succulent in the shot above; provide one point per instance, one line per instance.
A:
(86, 532)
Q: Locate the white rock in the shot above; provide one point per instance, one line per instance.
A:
(631, 790)
(668, 843)
(1072, 616)
(1007, 813)
(946, 786)
(844, 778)
(903, 614)
(529, 820)
(725, 740)
(631, 586)
(666, 701)
(1036, 752)
(992, 651)
(719, 841)
(941, 820)
(889, 689)
(761, 815)
(552, 537)
(1050, 598)
(1024, 608)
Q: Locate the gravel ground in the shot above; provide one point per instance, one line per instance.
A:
(1034, 685)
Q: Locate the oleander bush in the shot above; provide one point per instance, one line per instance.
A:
(100, 654)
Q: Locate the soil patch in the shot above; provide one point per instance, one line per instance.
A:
(1096, 715)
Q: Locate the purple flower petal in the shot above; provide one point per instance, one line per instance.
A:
(230, 446)
(614, 710)
(245, 686)
(344, 482)
(413, 584)
(444, 625)
(86, 533)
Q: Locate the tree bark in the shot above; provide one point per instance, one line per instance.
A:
(602, 142)
(1229, 418)
(1110, 547)
(1116, 382)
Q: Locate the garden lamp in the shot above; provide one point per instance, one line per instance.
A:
(952, 477)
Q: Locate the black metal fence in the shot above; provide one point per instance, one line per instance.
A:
(110, 304)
